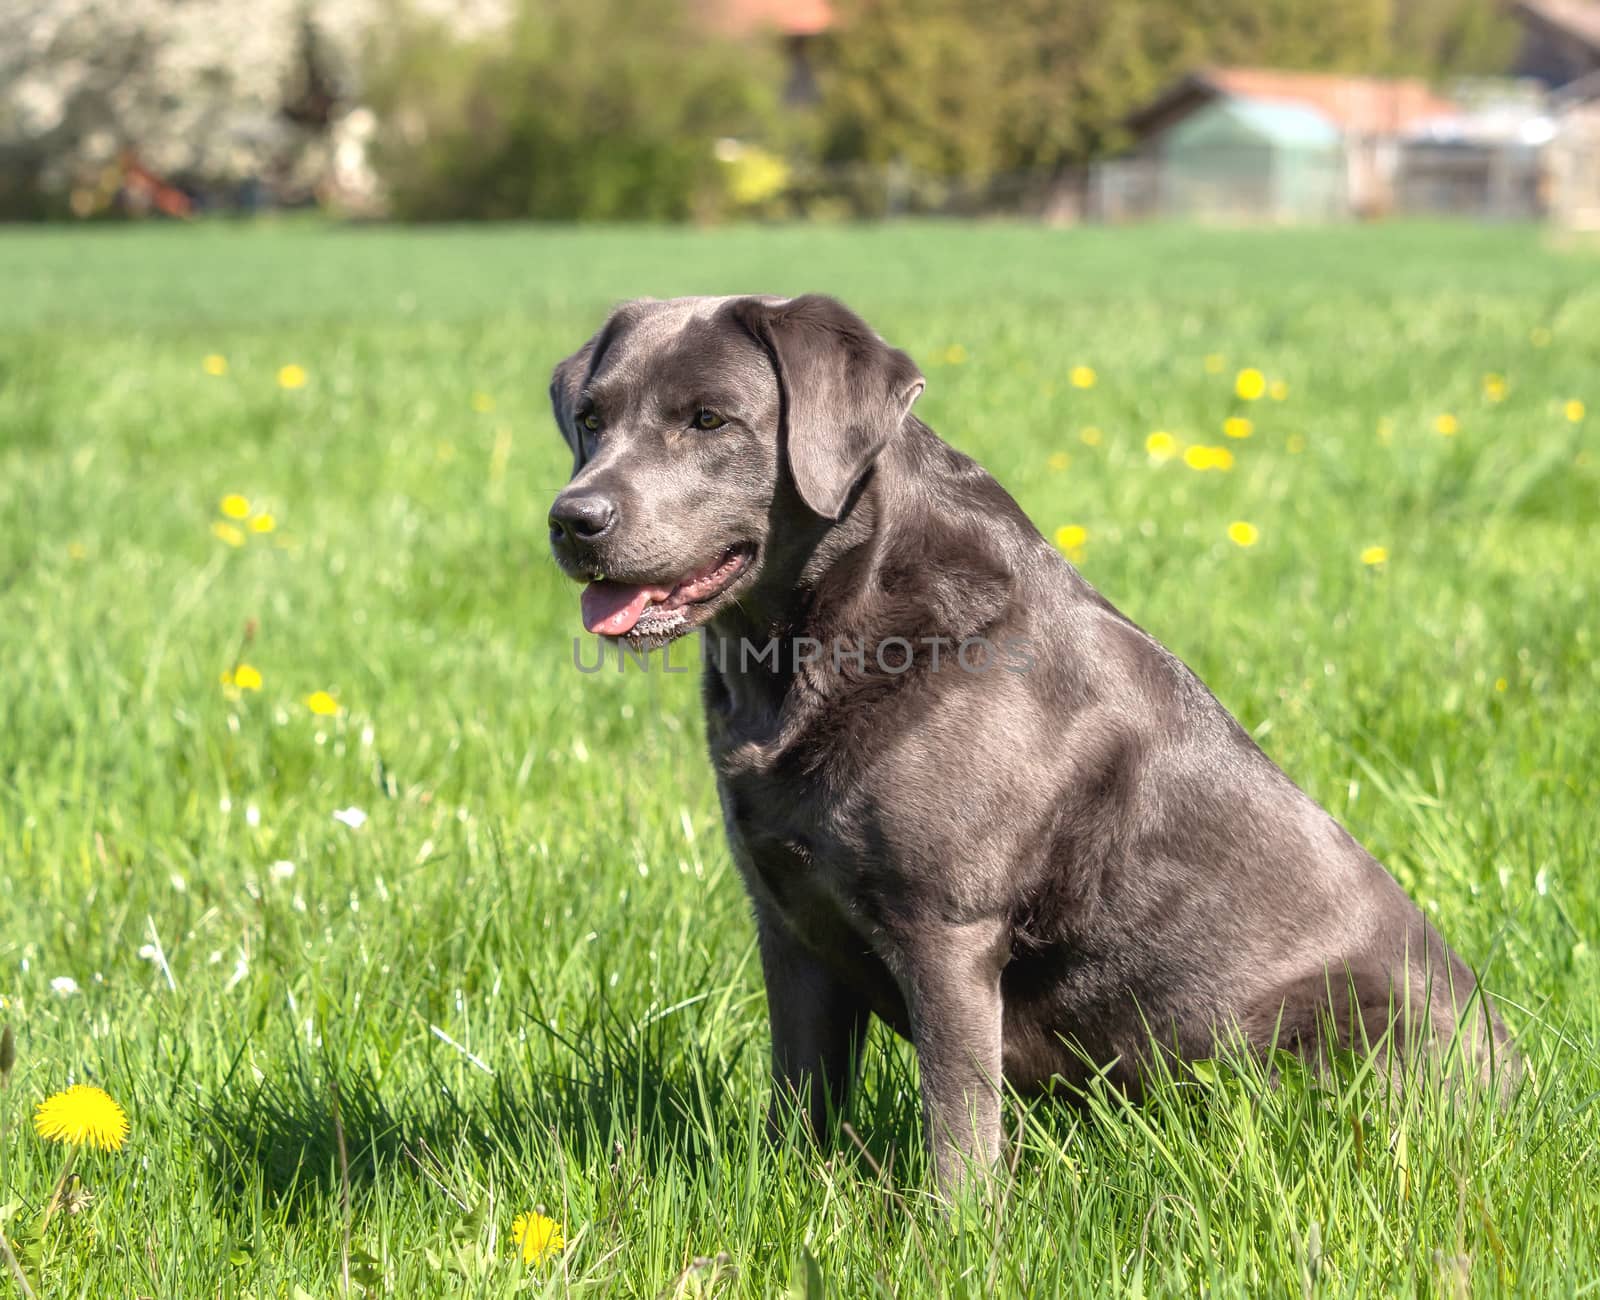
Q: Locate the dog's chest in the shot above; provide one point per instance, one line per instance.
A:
(787, 838)
(806, 833)
(800, 876)
(783, 831)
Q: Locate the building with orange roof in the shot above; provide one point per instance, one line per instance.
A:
(1270, 111)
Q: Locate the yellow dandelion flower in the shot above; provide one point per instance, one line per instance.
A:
(955, 355)
(1249, 384)
(292, 376)
(1215, 361)
(247, 677)
(234, 506)
(1069, 537)
(1277, 390)
(1059, 460)
(1573, 409)
(1090, 436)
(265, 522)
(83, 1115)
(1500, 684)
(1161, 445)
(1208, 458)
(228, 533)
(1374, 555)
(1081, 377)
(1446, 426)
(1494, 388)
(1236, 426)
(215, 364)
(538, 1237)
(322, 704)
(1243, 534)
(1539, 336)
(482, 403)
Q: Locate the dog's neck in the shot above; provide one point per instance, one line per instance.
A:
(895, 566)
(800, 576)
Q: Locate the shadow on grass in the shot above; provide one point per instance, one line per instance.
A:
(643, 1095)
(626, 1093)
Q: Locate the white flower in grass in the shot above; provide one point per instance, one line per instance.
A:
(241, 970)
(282, 869)
(65, 985)
(352, 817)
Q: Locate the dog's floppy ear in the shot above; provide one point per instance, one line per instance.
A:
(844, 392)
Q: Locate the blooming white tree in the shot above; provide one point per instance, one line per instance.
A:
(217, 93)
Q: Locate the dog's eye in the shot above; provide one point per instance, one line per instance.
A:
(704, 419)
(591, 422)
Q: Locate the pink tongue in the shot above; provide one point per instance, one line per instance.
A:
(612, 608)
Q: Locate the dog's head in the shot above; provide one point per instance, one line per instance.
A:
(709, 434)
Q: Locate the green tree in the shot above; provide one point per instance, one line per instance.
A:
(917, 81)
(1445, 38)
(968, 88)
(582, 109)
(971, 88)
(1086, 66)
(1303, 35)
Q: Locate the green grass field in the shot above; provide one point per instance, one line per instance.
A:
(528, 979)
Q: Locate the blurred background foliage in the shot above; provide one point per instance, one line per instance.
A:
(615, 108)
(644, 109)
(579, 109)
(963, 87)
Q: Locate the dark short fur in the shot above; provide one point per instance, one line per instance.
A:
(1074, 855)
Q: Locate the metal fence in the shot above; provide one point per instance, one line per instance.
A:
(1218, 187)
(870, 190)
(1572, 172)
(1559, 181)
(1498, 182)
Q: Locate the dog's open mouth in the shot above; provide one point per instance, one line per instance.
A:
(613, 608)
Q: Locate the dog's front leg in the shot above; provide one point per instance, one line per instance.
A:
(818, 1030)
(951, 975)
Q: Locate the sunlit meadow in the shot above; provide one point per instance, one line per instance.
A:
(414, 957)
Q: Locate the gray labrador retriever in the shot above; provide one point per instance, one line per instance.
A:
(965, 793)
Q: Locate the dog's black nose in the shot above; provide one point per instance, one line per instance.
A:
(583, 518)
